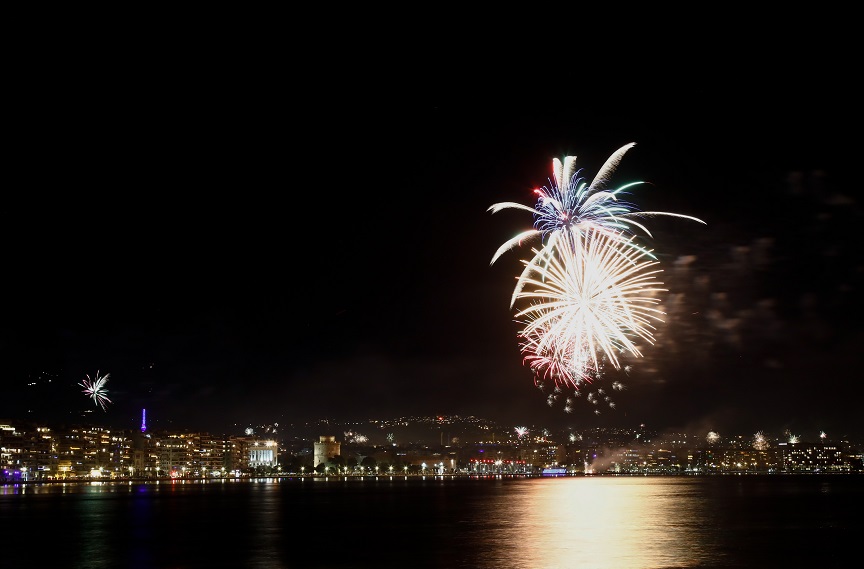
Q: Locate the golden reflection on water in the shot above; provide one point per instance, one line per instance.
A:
(606, 522)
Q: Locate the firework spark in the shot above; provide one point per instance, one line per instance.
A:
(95, 389)
(521, 431)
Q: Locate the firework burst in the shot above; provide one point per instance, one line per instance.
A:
(595, 299)
(760, 442)
(357, 438)
(568, 207)
(95, 389)
(591, 289)
(594, 302)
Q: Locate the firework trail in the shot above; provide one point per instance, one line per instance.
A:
(95, 389)
(591, 289)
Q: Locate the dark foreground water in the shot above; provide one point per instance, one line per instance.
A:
(811, 521)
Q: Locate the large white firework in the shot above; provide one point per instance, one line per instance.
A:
(595, 298)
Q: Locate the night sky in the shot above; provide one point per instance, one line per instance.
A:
(236, 258)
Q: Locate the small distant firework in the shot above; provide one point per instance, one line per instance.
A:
(95, 389)
(790, 438)
(357, 438)
(391, 438)
(760, 442)
(713, 437)
(521, 431)
(822, 435)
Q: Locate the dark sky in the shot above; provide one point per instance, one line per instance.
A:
(238, 257)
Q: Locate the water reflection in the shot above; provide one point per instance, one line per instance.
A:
(523, 523)
(266, 528)
(93, 526)
(602, 522)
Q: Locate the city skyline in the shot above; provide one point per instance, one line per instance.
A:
(351, 276)
(443, 429)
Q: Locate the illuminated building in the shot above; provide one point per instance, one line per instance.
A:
(325, 449)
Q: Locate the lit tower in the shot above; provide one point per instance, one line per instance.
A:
(325, 449)
(143, 420)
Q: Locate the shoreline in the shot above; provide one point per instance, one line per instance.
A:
(360, 477)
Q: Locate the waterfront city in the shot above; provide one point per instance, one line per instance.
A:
(441, 445)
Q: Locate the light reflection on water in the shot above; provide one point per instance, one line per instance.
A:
(602, 522)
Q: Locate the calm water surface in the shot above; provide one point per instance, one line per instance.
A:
(520, 523)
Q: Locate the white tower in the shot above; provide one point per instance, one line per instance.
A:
(325, 449)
